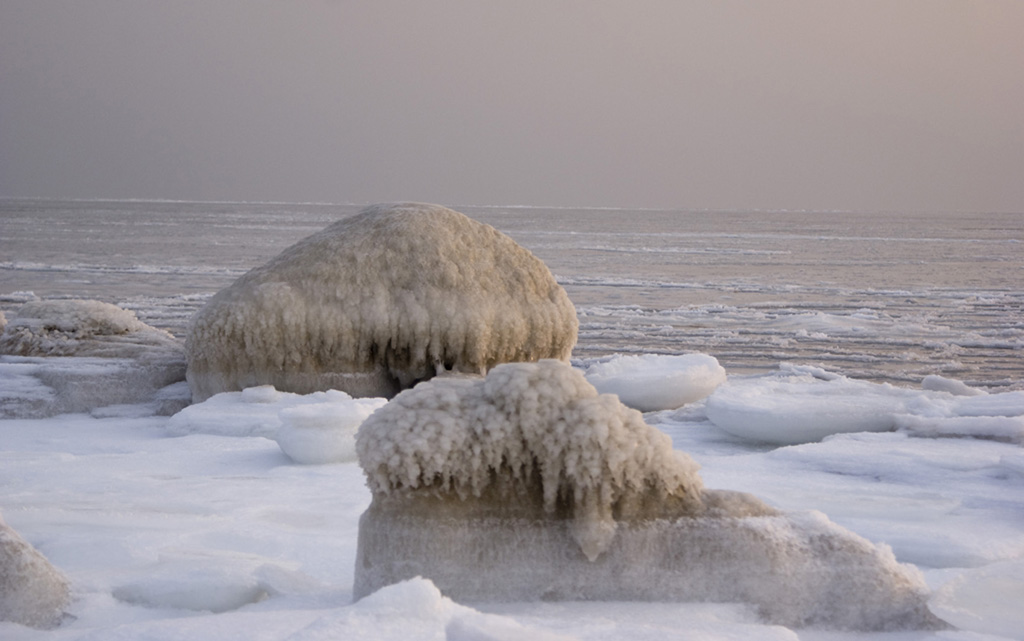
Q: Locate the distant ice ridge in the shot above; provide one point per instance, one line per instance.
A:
(802, 404)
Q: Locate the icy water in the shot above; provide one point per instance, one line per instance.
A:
(880, 296)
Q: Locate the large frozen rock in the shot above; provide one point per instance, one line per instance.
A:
(32, 591)
(60, 356)
(529, 485)
(377, 302)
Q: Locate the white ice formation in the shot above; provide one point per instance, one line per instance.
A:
(61, 356)
(800, 404)
(529, 485)
(652, 382)
(32, 591)
(377, 302)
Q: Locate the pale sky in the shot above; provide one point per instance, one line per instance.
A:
(716, 104)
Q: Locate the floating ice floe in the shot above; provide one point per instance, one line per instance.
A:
(528, 485)
(377, 302)
(61, 356)
(806, 404)
(311, 428)
(651, 382)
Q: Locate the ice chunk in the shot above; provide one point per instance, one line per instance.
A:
(651, 382)
(377, 302)
(528, 485)
(936, 383)
(999, 416)
(263, 410)
(415, 609)
(793, 407)
(986, 600)
(324, 432)
(32, 591)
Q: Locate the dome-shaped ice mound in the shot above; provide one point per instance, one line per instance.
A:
(377, 302)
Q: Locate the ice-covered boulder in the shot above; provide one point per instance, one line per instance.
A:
(64, 356)
(529, 485)
(652, 382)
(32, 591)
(377, 302)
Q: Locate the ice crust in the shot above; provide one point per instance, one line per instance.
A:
(377, 302)
(61, 356)
(529, 485)
(32, 591)
(651, 382)
(985, 600)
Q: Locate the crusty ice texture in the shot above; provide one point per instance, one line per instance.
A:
(528, 485)
(526, 420)
(377, 302)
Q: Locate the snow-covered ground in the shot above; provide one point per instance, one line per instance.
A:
(199, 526)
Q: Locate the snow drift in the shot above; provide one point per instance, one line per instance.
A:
(530, 485)
(377, 302)
(32, 591)
(62, 356)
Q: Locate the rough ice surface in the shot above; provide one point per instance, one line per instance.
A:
(265, 411)
(528, 485)
(61, 356)
(377, 302)
(806, 404)
(651, 382)
(32, 591)
(986, 600)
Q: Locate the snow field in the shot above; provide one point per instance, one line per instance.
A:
(159, 522)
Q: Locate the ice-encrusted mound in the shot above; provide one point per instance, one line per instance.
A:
(526, 422)
(32, 591)
(652, 382)
(62, 356)
(529, 485)
(377, 302)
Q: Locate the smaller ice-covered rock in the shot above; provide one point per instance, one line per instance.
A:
(651, 382)
(324, 432)
(84, 354)
(793, 407)
(986, 600)
(32, 591)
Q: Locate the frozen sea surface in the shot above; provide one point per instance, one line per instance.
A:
(212, 532)
(880, 296)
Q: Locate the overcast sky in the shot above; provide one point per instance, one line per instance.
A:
(767, 104)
